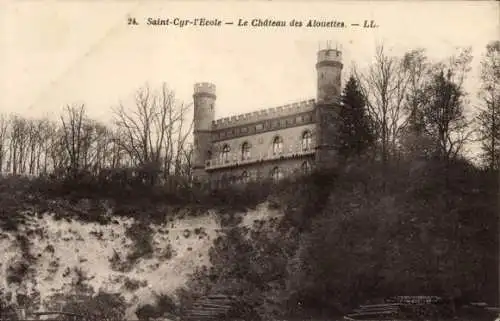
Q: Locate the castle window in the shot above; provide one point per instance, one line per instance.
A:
(306, 140)
(306, 167)
(245, 177)
(224, 181)
(224, 156)
(245, 151)
(259, 127)
(276, 174)
(277, 145)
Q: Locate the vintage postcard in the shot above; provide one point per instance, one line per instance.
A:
(249, 160)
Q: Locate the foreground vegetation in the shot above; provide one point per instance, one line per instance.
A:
(348, 235)
(416, 231)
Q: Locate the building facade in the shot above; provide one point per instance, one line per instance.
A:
(270, 143)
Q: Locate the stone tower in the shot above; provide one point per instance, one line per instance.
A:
(328, 99)
(204, 113)
(329, 73)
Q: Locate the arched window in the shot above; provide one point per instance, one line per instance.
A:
(245, 151)
(277, 145)
(306, 167)
(306, 140)
(223, 181)
(245, 177)
(224, 156)
(276, 174)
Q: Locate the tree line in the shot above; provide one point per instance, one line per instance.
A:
(411, 106)
(152, 134)
(404, 105)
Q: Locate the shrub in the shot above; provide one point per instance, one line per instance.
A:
(141, 234)
(167, 253)
(17, 271)
(163, 305)
(131, 284)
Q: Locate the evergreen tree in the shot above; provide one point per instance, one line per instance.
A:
(355, 132)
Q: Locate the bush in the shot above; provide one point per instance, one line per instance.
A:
(62, 194)
(142, 236)
(16, 272)
(164, 306)
(131, 284)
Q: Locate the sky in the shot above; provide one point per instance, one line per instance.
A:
(54, 53)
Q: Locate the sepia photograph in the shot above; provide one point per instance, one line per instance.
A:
(249, 160)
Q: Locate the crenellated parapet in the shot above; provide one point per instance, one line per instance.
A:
(204, 88)
(264, 114)
(332, 55)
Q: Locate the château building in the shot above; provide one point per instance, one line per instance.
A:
(270, 143)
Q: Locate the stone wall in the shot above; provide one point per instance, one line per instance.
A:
(261, 145)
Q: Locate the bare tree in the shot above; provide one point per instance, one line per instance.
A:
(75, 135)
(118, 156)
(17, 144)
(185, 167)
(48, 132)
(53, 147)
(153, 133)
(139, 136)
(489, 115)
(385, 86)
(4, 127)
(178, 134)
(443, 101)
(35, 129)
(101, 145)
(413, 140)
(58, 156)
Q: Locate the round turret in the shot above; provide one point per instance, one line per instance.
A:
(329, 71)
(204, 106)
(204, 114)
